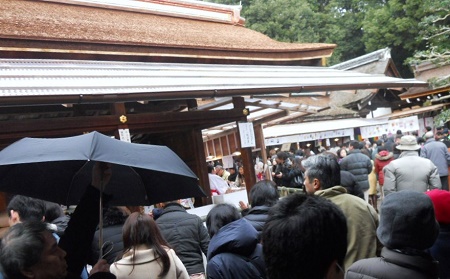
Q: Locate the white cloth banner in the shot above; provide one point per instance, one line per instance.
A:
(406, 124)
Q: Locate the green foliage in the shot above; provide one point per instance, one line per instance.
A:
(356, 26)
(442, 118)
(435, 30)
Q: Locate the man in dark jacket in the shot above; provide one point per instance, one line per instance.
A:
(359, 165)
(186, 234)
(263, 195)
(407, 228)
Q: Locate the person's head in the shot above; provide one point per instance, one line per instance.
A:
(342, 153)
(232, 171)
(429, 135)
(322, 172)
(408, 143)
(281, 157)
(29, 250)
(219, 216)
(52, 211)
(305, 236)
(353, 145)
(219, 170)
(439, 135)
(211, 169)
(441, 203)
(407, 221)
(22, 208)
(299, 153)
(264, 192)
(380, 142)
(382, 148)
(114, 215)
(414, 133)
(241, 170)
(428, 128)
(445, 132)
(141, 230)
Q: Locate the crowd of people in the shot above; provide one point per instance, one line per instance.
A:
(332, 229)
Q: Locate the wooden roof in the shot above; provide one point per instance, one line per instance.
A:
(31, 29)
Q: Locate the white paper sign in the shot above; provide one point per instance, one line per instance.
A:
(247, 134)
(228, 161)
(124, 135)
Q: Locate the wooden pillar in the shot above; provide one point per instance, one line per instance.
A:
(119, 110)
(199, 154)
(246, 153)
(260, 143)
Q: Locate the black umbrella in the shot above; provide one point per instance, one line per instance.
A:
(60, 169)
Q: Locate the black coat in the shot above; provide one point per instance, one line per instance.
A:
(186, 234)
(256, 216)
(348, 181)
(441, 251)
(79, 233)
(112, 244)
(360, 166)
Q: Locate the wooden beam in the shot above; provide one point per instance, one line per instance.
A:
(153, 122)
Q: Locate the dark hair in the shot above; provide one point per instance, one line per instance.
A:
(382, 148)
(380, 142)
(52, 211)
(141, 229)
(282, 155)
(113, 216)
(219, 216)
(299, 152)
(339, 152)
(210, 168)
(27, 208)
(420, 140)
(303, 235)
(354, 144)
(264, 192)
(22, 247)
(325, 168)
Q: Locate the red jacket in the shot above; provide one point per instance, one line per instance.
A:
(383, 158)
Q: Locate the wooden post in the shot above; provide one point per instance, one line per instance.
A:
(246, 153)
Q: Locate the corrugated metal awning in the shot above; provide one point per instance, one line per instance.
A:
(28, 82)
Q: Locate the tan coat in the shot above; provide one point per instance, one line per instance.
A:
(372, 181)
(146, 266)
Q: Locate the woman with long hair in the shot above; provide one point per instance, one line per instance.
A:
(146, 254)
(240, 179)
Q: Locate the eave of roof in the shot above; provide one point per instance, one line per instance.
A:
(28, 27)
(420, 92)
(27, 82)
(414, 111)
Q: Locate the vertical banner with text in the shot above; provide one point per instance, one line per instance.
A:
(247, 134)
